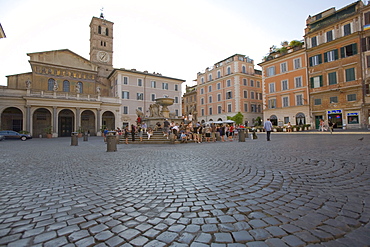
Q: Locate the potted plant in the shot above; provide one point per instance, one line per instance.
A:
(48, 131)
(79, 130)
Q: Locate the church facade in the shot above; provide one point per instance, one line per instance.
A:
(64, 92)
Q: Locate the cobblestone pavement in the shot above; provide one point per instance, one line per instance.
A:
(296, 190)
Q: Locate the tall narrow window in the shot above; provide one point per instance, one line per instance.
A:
(153, 97)
(297, 63)
(125, 110)
(314, 41)
(80, 87)
(66, 86)
(107, 32)
(283, 67)
(347, 29)
(350, 74)
(219, 109)
(272, 87)
(51, 83)
(99, 29)
(139, 82)
(329, 36)
(228, 70)
(244, 70)
(332, 78)
(284, 85)
(298, 82)
(125, 95)
(218, 74)
(285, 101)
(153, 84)
(125, 80)
(176, 87)
(299, 99)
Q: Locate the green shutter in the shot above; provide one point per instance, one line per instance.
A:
(321, 81)
(336, 54)
(325, 57)
(320, 59)
(342, 52)
(311, 82)
(310, 60)
(354, 48)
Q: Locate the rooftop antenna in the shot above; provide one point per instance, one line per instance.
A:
(101, 14)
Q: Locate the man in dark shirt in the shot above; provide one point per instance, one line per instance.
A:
(166, 126)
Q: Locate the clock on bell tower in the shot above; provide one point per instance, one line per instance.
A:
(101, 44)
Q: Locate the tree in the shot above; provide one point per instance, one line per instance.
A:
(238, 118)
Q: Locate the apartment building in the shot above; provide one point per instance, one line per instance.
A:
(230, 86)
(365, 51)
(332, 40)
(137, 90)
(190, 101)
(284, 86)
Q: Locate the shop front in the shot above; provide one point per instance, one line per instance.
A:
(336, 117)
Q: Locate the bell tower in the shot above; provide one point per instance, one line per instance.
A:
(101, 45)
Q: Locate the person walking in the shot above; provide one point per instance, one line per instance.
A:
(268, 128)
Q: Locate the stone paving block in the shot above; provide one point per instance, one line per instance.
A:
(61, 241)
(139, 241)
(242, 236)
(85, 242)
(44, 237)
(260, 234)
(155, 243)
(102, 236)
(114, 241)
(75, 236)
(68, 230)
(204, 238)
(129, 234)
(33, 232)
(276, 242)
(21, 242)
(167, 237)
(292, 240)
(10, 238)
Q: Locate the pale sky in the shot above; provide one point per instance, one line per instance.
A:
(177, 38)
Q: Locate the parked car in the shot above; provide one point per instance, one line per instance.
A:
(10, 134)
(2, 137)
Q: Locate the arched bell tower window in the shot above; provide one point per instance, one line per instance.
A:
(107, 32)
(99, 29)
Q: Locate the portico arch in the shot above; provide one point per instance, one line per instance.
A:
(66, 119)
(12, 119)
(88, 122)
(274, 120)
(41, 120)
(108, 120)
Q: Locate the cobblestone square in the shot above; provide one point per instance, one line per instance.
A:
(296, 190)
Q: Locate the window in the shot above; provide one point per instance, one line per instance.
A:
(331, 56)
(125, 80)
(209, 89)
(367, 88)
(99, 29)
(245, 107)
(176, 112)
(218, 74)
(153, 97)
(125, 110)
(139, 82)
(125, 95)
(316, 81)
(315, 60)
(367, 18)
(351, 97)
(140, 96)
(153, 84)
(228, 70)
(210, 77)
(202, 112)
(164, 85)
(272, 103)
(202, 80)
(51, 83)
(332, 78)
(271, 71)
(210, 111)
(297, 63)
(350, 74)
(228, 83)
(284, 85)
(202, 91)
(258, 84)
(244, 70)
(79, 87)
(176, 87)
(219, 109)
(347, 29)
(283, 68)
(210, 99)
(317, 101)
(299, 99)
(285, 101)
(368, 61)
(253, 108)
(272, 87)
(218, 85)
(334, 99)
(252, 95)
(245, 82)
(176, 99)
(314, 41)
(245, 94)
(252, 83)
(66, 85)
(229, 95)
(229, 108)
(219, 97)
(348, 50)
(202, 101)
(298, 82)
(329, 36)
(286, 120)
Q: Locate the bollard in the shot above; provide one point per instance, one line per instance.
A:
(74, 139)
(86, 137)
(111, 141)
(172, 138)
(218, 137)
(241, 135)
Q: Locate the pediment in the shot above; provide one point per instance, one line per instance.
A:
(62, 58)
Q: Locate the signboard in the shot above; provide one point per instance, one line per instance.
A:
(334, 111)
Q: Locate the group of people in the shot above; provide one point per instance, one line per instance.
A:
(325, 126)
(184, 132)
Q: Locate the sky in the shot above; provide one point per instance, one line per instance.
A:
(177, 38)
